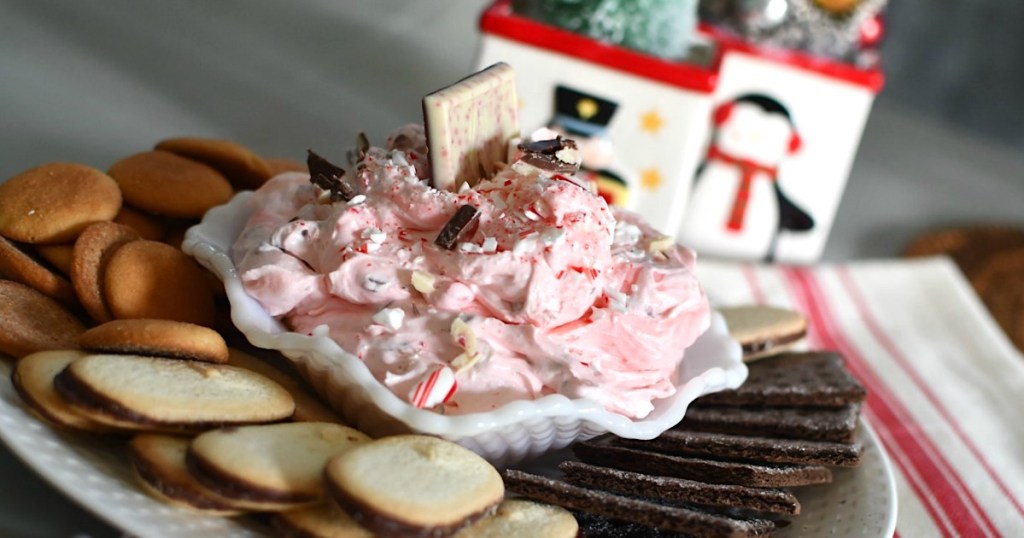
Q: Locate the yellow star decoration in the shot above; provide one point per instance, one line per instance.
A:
(651, 122)
(650, 179)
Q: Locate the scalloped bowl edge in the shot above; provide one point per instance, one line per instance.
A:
(509, 434)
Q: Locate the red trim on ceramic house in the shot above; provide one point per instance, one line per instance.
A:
(499, 20)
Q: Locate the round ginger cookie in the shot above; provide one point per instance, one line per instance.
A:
(156, 337)
(245, 169)
(148, 279)
(763, 330)
(53, 203)
(148, 226)
(968, 246)
(163, 183)
(523, 517)
(89, 259)
(1000, 284)
(31, 322)
(16, 264)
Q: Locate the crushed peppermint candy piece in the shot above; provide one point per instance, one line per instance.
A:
(328, 176)
(469, 126)
(357, 199)
(375, 235)
(391, 318)
(459, 223)
(436, 388)
(489, 245)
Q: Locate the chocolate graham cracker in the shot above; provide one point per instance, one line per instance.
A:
(748, 448)
(666, 489)
(601, 503)
(817, 378)
(837, 425)
(763, 475)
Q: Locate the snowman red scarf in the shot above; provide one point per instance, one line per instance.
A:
(748, 169)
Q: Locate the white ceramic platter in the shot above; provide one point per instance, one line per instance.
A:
(95, 473)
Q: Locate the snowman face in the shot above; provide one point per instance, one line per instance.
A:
(752, 133)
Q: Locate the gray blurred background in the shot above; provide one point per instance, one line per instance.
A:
(960, 61)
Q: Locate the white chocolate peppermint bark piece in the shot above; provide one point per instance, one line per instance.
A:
(469, 126)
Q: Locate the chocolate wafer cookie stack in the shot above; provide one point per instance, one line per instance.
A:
(728, 469)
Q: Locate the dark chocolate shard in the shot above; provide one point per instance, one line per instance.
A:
(688, 521)
(667, 489)
(459, 223)
(329, 177)
(817, 378)
(544, 154)
(755, 475)
(362, 145)
(836, 425)
(746, 448)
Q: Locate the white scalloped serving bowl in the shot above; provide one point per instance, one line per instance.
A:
(509, 434)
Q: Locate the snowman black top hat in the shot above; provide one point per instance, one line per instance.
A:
(582, 114)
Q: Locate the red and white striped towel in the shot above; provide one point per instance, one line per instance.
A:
(946, 387)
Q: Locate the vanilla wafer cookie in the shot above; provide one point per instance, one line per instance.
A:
(17, 264)
(31, 321)
(54, 202)
(156, 337)
(89, 258)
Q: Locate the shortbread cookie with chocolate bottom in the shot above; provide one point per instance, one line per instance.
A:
(687, 521)
(270, 464)
(53, 203)
(764, 330)
(308, 408)
(522, 517)
(170, 395)
(32, 378)
(324, 520)
(31, 321)
(156, 337)
(414, 485)
(159, 463)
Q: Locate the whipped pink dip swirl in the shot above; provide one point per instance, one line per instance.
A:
(552, 292)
